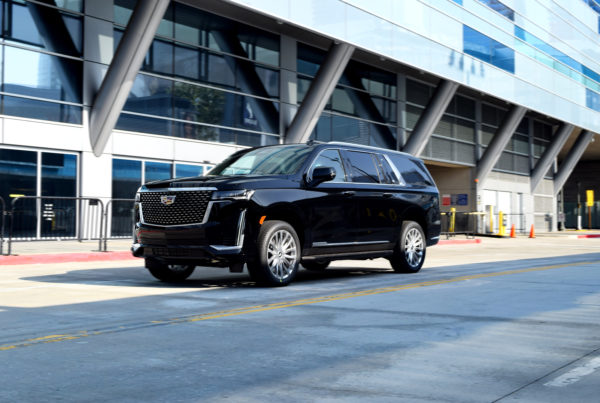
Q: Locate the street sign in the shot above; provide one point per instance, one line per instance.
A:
(590, 198)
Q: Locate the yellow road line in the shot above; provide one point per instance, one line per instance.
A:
(287, 304)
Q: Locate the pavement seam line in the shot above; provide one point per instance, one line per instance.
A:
(280, 305)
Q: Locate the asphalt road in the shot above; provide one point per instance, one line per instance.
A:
(506, 320)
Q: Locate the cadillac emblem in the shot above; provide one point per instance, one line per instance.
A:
(167, 200)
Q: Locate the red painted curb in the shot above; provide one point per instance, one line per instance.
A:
(589, 236)
(458, 241)
(65, 257)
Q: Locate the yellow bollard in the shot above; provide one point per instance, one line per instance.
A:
(501, 227)
(452, 219)
(491, 219)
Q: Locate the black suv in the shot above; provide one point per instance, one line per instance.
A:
(276, 207)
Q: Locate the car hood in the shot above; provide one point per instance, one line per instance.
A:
(227, 182)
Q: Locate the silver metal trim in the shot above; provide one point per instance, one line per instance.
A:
(239, 237)
(323, 244)
(177, 190)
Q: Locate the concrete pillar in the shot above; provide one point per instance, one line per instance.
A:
(498, 144)
(431, 117)
(546, 160)
(124, 67)
(319, 93)
(571, 160)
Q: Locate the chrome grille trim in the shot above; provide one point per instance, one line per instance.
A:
(194, 207)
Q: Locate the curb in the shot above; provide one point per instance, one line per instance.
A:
(65, 258)
(458, 241)
(587, 236)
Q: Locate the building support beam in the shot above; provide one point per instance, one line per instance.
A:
(430, 117)
(571, 160)
(123, 69)
(319, 93)
(498, 144)
(546, 160)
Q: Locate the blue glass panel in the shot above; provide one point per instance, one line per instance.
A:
(33, 109)
(126, 179)
(18, 173)
(144, 124)
(186, 170)
(41, 75)
(27, 23)
(458, 1)
(150, 95)
(500, 8)
(503, 57)
(476, 44)
(154, 171)
(592, 100)
(59, 178)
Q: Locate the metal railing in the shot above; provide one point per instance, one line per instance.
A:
(65, 221)
(481, 222)
(108, 208)
(2, 222)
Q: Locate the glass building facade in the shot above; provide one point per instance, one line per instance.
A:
(220, 78)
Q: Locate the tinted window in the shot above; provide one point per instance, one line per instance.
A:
(363, 167)
(331, 158)
(412, 172)
(388, 174)
(279, 160)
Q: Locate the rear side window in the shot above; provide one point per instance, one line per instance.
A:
(363, 167)
(387, 173)
(412, 172)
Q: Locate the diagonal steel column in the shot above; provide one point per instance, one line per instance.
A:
(319, 93)
(498, 144)
(571, 160)
(430, 117)
(124, 67)
(544, 163)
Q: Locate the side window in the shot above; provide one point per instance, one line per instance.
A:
(387, 172)
(331, 158)
(363, 167)
(412, 172)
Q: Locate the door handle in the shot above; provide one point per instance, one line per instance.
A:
(388, 195)
(348, 193)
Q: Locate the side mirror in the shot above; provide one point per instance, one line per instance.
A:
(322, 174)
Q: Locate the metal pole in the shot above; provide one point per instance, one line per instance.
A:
(101, 223)
(2, 227)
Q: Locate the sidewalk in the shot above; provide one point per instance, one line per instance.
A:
(43, 252)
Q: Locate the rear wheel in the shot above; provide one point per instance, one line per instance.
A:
(169, 273)
(409, 253)
(278, 254)
(316, 265)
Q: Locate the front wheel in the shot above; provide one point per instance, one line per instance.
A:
(169, 273)
(278, 254)
(409, 254)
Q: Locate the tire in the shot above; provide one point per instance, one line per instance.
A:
(409, 253)
(278, 254)
(316, 265)
(169, 273)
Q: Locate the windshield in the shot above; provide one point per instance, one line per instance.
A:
(278, 160)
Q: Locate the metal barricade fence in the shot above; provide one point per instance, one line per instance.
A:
(480, 222)
(60, 217)
(459, 223)
(2, 223)
(122, 216)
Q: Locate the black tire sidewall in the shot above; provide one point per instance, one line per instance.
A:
(259, 268)
(163, 272)
(398, 260)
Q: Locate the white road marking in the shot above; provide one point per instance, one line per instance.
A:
(575, 374)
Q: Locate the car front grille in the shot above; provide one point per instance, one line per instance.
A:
(187, 207)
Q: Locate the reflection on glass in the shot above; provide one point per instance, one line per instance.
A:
(154, 171)
(150, 95)
(33, 109)
(187, 170)
(18, 172)
(26, 21)
(41, 75)
(126, 178)
(143, 124)
(59, 178)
